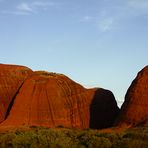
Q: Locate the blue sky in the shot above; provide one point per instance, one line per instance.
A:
(98, 43)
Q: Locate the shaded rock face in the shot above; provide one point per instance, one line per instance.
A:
(103, 109)
(52, 100)
(11, 79)
(134, 110)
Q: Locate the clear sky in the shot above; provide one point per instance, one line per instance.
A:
(98, 43)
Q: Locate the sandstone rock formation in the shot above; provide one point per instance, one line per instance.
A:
(11, 79)
(49, 99)
(103, 109)
(134, 110)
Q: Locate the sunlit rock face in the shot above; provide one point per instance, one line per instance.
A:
(134, 110)
(11, 79)
(52, 100)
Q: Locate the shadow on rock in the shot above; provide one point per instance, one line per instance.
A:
(103, 109)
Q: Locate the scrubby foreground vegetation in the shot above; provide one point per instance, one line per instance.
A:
(40, 137)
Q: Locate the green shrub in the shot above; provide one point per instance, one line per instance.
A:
(6, 140)
(91, 139)
(27, 139)
(42, 137)
(54, 139)
(137, 144)
(99, 142)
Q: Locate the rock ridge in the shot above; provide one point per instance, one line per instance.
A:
(50, 99)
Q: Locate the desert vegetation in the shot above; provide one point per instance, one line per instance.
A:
(46, 73)
(42, 137)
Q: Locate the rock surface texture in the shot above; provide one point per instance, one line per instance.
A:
(11, 79)
(134, 110)
(52, 100)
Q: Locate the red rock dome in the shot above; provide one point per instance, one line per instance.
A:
(50, 99)
(135, 107)
(11, 79)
